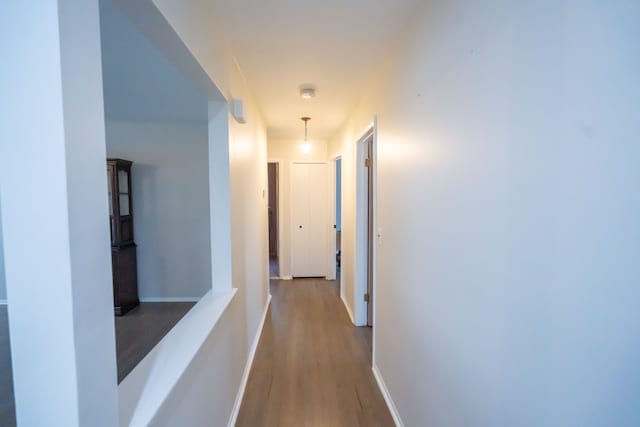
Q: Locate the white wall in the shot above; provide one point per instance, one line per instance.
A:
(286, 151)
(195, 23)
(65, 373)
(507, 273)
(55, 215)
(206, 391)
(170, 180)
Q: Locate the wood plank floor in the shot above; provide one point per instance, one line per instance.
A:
(7, 405)
(312, 366)
(141, 329)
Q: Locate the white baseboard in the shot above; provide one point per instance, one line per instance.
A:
(387, 397)
(171, 299)
(247, 368)
(344, 301)
(286, 278)
(3, 302)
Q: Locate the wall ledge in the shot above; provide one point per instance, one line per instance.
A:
(144, 390)
(170, 299)
(247, 369)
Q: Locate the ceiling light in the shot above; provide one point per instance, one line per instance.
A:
(307, 92)
(306, 145)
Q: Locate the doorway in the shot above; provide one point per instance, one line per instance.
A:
(365, 226)
(338, 218)
(368, 163)
(272, 171)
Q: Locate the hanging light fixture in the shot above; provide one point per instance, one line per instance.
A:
(306, 145)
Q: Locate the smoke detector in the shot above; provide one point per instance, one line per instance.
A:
(307, 92)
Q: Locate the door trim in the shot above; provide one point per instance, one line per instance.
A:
(331, 249)
(279, 162)
(278, 214)
(360, 267)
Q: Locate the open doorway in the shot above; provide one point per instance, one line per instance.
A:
(368, 163)
(272, 170)
(338, 216)
(157, 144)
(365, 225)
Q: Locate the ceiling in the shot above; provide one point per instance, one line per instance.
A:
(335, 45)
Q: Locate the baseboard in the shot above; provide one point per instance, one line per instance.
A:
(247, 368)
(344, 301)
(171, 299)
(3, 302)
(387, 397)
(286, 278)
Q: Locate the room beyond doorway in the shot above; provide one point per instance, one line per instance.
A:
(273, 212)
(338, 216)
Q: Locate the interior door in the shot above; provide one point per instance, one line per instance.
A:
(318, 219)
(299, 219)
(309, 219)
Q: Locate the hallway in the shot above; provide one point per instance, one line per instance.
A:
(478, 163)
(312, 366)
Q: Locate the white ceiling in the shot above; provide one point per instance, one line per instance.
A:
(334, 44)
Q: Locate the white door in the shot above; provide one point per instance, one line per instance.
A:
(309, 219)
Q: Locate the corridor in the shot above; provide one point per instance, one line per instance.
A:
(312, 366)
(471, 171)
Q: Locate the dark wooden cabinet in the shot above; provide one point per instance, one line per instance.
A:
(123, 248)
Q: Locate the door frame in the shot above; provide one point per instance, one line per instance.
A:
(331, 251)
(361, 247)
(277, 215)
(291, 224)
(279, 162)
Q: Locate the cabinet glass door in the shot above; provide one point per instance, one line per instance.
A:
(123, 192)
(109, 187)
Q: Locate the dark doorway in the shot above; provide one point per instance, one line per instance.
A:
(338, 225)
(272, 169)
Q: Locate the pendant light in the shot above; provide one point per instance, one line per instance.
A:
(306, 145)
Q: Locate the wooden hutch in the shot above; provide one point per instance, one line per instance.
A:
(123, 248)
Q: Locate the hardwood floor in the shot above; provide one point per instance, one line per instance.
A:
(312, 366)
(141, 329)
(136, 334)
(7, 405)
